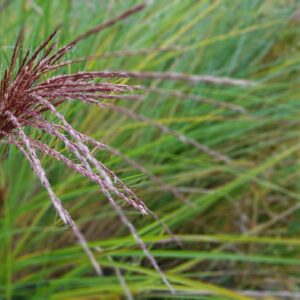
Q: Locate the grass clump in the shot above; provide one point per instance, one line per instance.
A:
(212, 156)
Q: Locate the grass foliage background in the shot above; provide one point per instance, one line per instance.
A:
(242, 234)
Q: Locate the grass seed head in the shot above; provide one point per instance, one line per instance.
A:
(25, 97)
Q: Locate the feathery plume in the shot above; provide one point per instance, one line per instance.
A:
(25, 97)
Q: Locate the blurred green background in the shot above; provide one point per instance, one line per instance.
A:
(240, 240)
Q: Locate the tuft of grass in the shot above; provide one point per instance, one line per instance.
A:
(217, 164)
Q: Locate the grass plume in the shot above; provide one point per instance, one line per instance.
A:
(26, 97)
